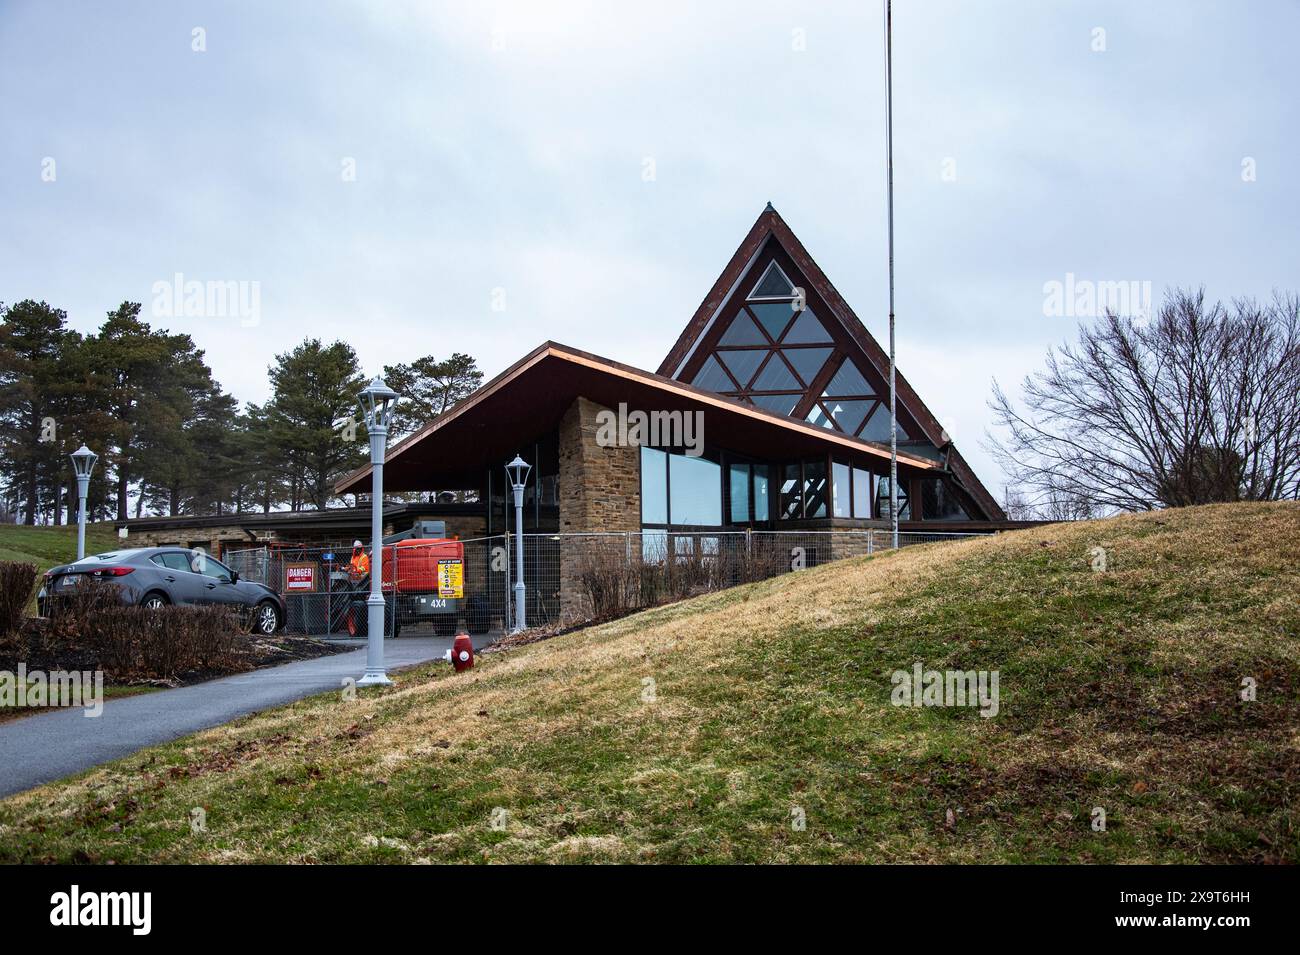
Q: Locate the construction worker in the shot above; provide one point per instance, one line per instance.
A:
(359, 565)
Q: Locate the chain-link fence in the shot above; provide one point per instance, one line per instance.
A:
(442, 587)
(437, 587)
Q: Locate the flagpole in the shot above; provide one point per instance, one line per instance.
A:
(889, 220)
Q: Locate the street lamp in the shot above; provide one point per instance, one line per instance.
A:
(518, 470)
(83, 462)
(377, 401)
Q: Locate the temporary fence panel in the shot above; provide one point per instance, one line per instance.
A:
(447, 586)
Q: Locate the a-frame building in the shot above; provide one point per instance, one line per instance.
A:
(774, 332)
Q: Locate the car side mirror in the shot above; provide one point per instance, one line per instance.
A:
(234, 576)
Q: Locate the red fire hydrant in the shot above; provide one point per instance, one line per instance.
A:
(462, 652)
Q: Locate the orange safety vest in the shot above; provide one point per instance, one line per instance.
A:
(360, 564)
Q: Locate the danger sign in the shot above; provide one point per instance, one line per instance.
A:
(300, 577)
(451, 578)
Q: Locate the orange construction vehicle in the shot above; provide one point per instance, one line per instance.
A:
(423, 580)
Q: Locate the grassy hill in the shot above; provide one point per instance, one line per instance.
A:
(1118, 689)
(48, 547)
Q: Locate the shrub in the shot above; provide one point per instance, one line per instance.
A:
(132, 643)
(17, 581)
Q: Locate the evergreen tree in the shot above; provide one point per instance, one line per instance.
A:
(314, 389)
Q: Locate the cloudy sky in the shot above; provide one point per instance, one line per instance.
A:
(384, 170)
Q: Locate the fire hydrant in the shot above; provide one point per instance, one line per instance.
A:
(461, 654)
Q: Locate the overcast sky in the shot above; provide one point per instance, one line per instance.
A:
(502, 152)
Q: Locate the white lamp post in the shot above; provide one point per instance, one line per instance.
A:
(518, 470)
(83, 462)
(377, 401)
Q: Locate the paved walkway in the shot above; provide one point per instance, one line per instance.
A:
(47, 746)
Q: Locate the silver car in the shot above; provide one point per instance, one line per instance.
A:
(158, 576)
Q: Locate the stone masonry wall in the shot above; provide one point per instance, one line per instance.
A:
(600, 491)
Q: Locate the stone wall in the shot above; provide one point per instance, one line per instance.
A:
(600, 491)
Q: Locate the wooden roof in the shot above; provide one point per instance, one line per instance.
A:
(531, 396)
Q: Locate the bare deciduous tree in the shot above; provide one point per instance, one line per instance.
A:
(1201, 404)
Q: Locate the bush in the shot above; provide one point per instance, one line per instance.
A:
(132, 643)
(17, 581)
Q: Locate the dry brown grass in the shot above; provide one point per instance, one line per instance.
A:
(1119, 689)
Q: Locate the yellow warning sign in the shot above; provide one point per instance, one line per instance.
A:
(451, 578)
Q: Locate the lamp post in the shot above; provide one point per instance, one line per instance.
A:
(83, 462)
(518, 470)
(377, 401)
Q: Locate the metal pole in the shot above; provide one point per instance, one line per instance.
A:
(889, 220)
(519, 556)
(83, 483)
(376, 674)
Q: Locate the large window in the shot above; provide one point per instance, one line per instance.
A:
(815, 488)
(694, 491)
(939, 502)
(862, 495)
(792, 492)
(654, 486)
(841, 493)
(679, 490)
(882, 500)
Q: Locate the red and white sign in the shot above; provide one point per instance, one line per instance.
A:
(300, 577)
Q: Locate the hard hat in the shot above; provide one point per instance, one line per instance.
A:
(356, 544)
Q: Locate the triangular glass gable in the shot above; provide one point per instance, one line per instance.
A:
(806, 330)
(775, 376)
(773, 284)
(743, 331)
(742, 364)
(848, 381)
(781, 404)
(807, 361)
(711, 377)
(774, 317)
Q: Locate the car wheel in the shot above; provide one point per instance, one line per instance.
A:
(153, 601)
(266, 619)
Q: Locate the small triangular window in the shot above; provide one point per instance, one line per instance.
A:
(743, 331)
(773, 284)
(711, 377)
(806, 330)
(742, 364)
(847, 381)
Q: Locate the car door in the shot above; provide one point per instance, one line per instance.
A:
(219, 584)
(185, 587)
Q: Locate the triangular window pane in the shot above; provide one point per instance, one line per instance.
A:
(806, 330)
(774, 316)
(743, 331)
(877, 427)
(773, 284)
(819, 417)
(807, 361)
(742, 364)
(848, 414)
(775, 376)
(848, 381)
(781, 404)
(711, 377)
